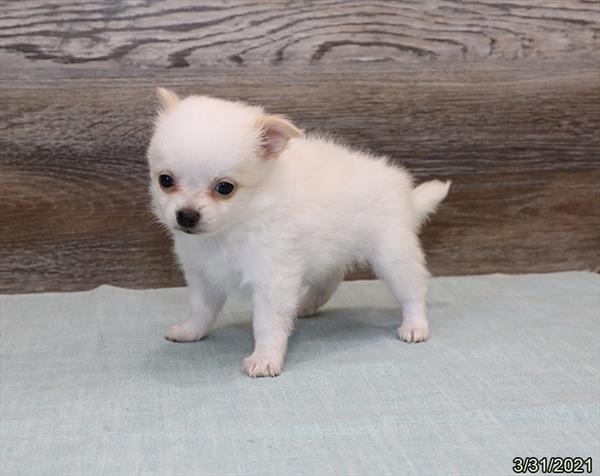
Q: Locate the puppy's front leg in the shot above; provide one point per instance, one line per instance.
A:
(206, 300)
(274, 311)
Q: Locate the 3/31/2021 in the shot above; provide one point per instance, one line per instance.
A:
(554, 464)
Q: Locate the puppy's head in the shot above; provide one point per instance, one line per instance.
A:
(209, 159)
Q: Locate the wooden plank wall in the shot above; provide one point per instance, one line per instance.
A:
(503, 97)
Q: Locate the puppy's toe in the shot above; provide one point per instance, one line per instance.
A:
(262, 366)
(414, 332)
(187, 331)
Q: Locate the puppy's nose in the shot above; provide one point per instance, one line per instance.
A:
(187, 218)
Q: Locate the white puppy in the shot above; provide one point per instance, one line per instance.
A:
(254, 205)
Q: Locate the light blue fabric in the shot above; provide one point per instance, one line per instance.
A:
(89, 386)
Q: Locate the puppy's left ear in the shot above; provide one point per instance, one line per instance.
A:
(167, 98)
(276, 131)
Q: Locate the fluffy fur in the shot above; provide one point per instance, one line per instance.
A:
(304, 210)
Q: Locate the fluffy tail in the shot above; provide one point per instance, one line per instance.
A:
(427, 196)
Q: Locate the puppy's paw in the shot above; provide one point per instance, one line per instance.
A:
(261, 365)
(414, 331)
(307, 309)
(187, 331)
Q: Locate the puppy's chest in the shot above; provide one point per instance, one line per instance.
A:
(223, 263)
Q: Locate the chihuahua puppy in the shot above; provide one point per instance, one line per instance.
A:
(253, 204)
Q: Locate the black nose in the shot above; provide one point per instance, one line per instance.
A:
(187, 218)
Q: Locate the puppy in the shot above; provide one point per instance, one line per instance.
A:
(253, 204)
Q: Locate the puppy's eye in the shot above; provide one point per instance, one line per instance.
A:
(166, 181)
(224, 188)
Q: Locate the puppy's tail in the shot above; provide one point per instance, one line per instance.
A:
(427, 196)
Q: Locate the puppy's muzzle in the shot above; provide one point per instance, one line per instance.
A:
(187, 219)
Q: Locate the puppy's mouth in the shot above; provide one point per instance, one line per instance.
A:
(188, 231)
(194, 230)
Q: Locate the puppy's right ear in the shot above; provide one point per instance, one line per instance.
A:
(276, 131)
(167, 98)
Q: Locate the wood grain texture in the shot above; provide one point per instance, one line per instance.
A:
(186, 33)
(502, 97)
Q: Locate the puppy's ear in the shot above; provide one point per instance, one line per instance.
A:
(167, 98)
(276, 131)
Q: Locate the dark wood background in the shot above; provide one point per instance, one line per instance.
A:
(503, 97)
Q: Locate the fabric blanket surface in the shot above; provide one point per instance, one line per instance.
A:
(89, 386)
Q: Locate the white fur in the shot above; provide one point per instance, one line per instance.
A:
(300, 217)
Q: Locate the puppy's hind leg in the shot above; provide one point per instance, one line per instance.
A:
(399, 261)
(319, 293)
